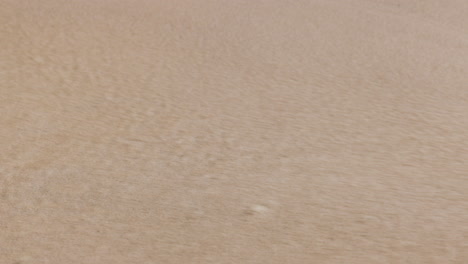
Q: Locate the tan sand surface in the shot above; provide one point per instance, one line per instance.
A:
(233, 131)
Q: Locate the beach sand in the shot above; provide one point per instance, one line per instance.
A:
(219, 132)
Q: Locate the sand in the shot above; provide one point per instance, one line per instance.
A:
(230, 131)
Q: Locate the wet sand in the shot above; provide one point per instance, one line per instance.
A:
(233, 131)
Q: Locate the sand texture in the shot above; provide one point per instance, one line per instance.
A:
(233, 131)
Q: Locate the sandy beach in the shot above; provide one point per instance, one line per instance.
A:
(233, 131)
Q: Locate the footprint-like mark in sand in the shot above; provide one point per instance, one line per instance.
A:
(257, 209)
